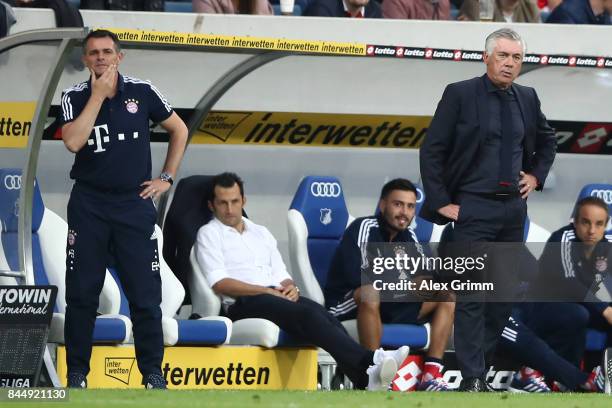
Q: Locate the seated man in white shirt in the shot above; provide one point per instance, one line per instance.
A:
(242, 264)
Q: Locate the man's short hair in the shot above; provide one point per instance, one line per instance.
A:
(596, 201)
(102, 34)
(397, 184)
(508, 34)
(225, 180)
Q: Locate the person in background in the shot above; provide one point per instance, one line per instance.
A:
(344, 8)
(259, 7)
(416, 9)
(506, 11)
(582, 12)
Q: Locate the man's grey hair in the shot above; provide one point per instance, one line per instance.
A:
(508, 34)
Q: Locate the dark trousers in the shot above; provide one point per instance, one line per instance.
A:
(310, 322)
(97, 221)
(479, 324)
(549, 337)
(598, 322)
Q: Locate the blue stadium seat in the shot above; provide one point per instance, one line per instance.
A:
(49, 234)
(317, 219)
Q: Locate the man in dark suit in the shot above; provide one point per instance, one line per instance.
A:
(344, 8)
(487, 148)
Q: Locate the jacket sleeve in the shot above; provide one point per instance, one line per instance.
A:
(347, 259)
(435, 149)
(545, 148)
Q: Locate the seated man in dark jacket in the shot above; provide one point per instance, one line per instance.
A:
(575, 279)
(582, 12)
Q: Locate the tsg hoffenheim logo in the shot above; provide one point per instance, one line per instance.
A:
(326, 216)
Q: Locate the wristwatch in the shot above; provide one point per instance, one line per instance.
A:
(166, 177)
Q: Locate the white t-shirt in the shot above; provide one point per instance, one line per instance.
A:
(251, 256)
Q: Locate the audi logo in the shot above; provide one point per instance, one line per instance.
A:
(12, 182)
(605, 195)
(419, 197)
(325, 189)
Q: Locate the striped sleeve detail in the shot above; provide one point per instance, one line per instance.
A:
(417, 244)
(362, 239)
(66, 102)
(566, 253)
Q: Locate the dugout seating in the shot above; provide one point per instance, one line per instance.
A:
(188, 212)
(317, 219)
(49, 235)
(210, 330)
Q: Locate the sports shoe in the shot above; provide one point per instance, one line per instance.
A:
(381, 373)
(532, 383)
(398, 355)
(154, 382)
(435, 384)
(474, 384)
(558, 387)
(596, 381)
(606, 368)
(76, 380)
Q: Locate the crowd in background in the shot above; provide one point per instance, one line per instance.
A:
(510, 11)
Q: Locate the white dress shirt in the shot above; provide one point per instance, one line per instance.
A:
(251, 256)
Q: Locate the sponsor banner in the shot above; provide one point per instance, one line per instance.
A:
(26, 304)
(499, 375)
(583, 137)
(410, 372)
(227, 367)
(311, 129)
(25, 314)
(15, 123)
(341, 48)
(348, 130)
(242, 42)
(477, 56)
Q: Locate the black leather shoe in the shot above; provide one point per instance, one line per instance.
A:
(473, 384)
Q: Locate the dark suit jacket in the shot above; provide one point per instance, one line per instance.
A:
(456, 132)
(335, 8)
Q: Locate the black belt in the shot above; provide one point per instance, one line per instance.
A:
(91, 187)
(499, 196)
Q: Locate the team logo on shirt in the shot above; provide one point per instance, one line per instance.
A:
(71, 237)
(601, 264)
(326, 216)
(400, 252)
(131, 105)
